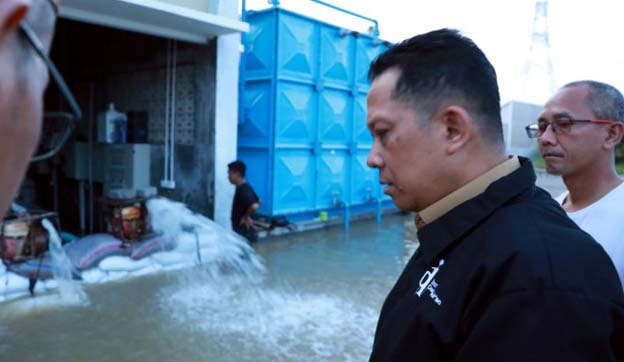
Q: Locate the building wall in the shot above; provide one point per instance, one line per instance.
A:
(516, 116)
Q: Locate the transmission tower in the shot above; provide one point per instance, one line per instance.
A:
(538, 78)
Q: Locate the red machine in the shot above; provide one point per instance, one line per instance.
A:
(22, 237)
(127, 219)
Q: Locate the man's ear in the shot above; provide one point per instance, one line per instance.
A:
(12, 12)
(457, 129)
(614, 135)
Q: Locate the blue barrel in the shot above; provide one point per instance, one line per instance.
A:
(302, 130)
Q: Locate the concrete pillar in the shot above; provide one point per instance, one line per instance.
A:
(226, 114)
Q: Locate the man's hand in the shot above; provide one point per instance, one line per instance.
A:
(247, 221)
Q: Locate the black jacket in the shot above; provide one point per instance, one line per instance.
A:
(505, 276)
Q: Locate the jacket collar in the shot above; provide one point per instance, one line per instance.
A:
(436, 236)
(468, 191)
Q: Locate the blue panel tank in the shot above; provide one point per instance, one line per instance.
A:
(302, 129)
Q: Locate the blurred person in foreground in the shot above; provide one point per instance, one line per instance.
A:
(501, 274)
(23, 79)
(577, 135)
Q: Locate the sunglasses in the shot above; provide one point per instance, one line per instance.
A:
(69, 118)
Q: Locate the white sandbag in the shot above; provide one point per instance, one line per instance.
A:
(87, 252)
(13, 283)
(186, 243)
(166, 258)
(122, 263)
(115, 275)
(92, 276)
(150, 269)
(40, 288)
(177, 266)
(209, 254)
(12, 296)
(154, 244)
(208, 237)
(42, 268)
(50, 284)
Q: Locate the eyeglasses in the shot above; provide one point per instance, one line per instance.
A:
(559, 126)
(76, 113)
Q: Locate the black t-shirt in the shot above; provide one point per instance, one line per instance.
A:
(244, 197)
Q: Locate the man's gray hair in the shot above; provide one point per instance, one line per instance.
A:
(605, 101)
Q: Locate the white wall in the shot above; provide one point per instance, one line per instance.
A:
(516, 115)
(226, 114)
(201, 5)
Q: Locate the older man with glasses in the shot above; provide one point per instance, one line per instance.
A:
(577, 135)
(26, 31)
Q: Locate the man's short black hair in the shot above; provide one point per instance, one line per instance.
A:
(238, 166)
(441, 68)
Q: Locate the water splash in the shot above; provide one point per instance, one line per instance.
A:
(228, 299)
(69, 291)
(276, 322)
(219, 251)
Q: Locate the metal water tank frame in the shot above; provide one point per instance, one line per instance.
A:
(302, 130)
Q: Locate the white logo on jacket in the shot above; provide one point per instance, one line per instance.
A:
(427, 282)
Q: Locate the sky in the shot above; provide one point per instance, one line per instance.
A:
(586, 36)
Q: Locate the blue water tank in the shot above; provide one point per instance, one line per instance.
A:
(302, 128)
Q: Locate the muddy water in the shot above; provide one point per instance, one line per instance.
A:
(318, 301)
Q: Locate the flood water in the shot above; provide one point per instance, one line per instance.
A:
(319, 300)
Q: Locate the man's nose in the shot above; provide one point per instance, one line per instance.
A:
(374, 159)
(549, 136)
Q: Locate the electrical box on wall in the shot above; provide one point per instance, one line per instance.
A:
(126, 166)
(115, 165)
(76, 161)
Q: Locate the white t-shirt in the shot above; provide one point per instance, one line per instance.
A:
(604, 220)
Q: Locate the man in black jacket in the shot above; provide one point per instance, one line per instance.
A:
(502, 274)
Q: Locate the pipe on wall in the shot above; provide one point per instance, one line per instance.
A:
(167, 98)
(168, 180)
(173, 114)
